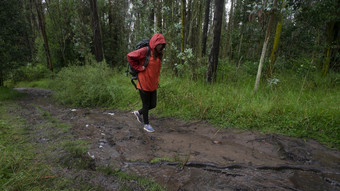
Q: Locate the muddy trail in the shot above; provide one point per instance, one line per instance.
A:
(183, 155)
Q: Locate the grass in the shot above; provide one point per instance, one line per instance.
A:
(291, 107)
(23, 165)
(299, 105)
(311, 113)
(125, 178)
(163, 159)
(7, 94)
(39, 83)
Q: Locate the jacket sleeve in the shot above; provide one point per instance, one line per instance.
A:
(136, 58)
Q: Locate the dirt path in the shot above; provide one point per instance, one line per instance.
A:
(196, 155)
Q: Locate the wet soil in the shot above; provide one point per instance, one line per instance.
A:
(183, 155)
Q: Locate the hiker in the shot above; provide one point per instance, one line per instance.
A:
(148, 77)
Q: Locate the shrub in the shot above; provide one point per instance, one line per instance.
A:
(30, 72)
(87, 85)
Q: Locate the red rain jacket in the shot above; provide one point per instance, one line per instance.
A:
(148, 78)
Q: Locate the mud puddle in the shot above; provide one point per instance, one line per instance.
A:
(193, 155)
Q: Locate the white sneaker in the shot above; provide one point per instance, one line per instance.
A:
(138, 116)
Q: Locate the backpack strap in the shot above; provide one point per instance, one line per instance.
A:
(147, 58)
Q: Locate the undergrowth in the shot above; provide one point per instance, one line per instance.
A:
(304, 105)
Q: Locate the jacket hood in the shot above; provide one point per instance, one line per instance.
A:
(156, 39)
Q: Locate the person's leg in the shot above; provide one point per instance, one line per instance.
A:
(146, 100)
(153, 99)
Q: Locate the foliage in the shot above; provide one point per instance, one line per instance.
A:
(290, 102)
(126, 178)
(8, 94)
(281, 107)
(14, 50)
(87, 85)
(30, 72)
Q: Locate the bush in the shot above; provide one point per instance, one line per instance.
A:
(30, 72)
(87, 85)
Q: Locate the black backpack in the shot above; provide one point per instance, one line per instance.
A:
(133, 72)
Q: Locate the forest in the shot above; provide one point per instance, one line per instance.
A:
(237, 77)
(284, 54)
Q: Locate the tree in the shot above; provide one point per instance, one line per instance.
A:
(14, 49)
(230, 31)
(42, 24)
(205, 27)
(159, 18)
(214, 52)
(183, 22)
(275, 48)
(97, 36)
(152, 17)
(264, 49)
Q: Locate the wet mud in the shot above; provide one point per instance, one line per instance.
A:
(193, 155)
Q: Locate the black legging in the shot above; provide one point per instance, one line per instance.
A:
(149, 100)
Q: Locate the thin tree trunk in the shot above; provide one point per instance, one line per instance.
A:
(1, 78)
(152, 17)
(111, 25)
(328, 52)
(230, 31)
(41, 19)
(183, 13)
(29, 33)
(274, 52)
(215, 49)
(97, 37)
(61, 38)
(198, 37)
(205, 27)
(159, 15)
(193, 24)
(264, 49)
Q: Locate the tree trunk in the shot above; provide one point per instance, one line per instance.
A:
(332, 47)
(29, 35)
(97, 37)
(159, 15)
(205, 27)
(61, 38)
(111, 25)
(273, 55)
(41, 19)
(264, 49)
(230, 31)
(1, 78)
(152, 18)
(215, 49)
(183, 13)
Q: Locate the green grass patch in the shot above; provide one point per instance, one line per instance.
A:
(44, 83)
(283, 108)
(162, 159)
(19, 167)
(8, 94)
(126, 179)
(89, 85)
